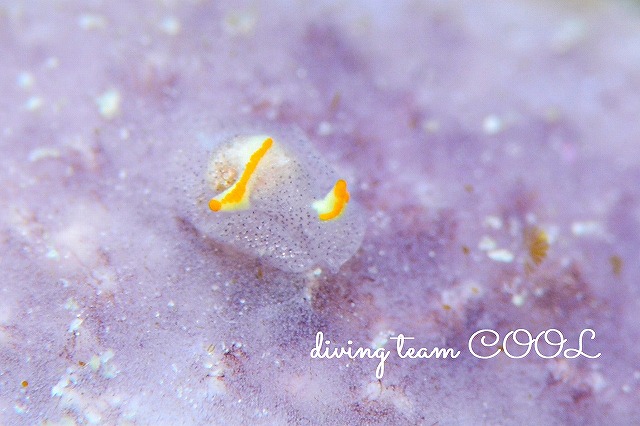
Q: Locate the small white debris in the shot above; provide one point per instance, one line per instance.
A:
(597, 381)
(381, 339)
(90, 21)
(107, 356)
(109, 371)
(501, 255)
(518, 299)
(493, 222)
(171, 26)
(34, 103)
(75, 325)
(43, 153)
(373, 391)
(431, 126)
(492, 125)
(587, 228)
(109, 103)
(94, 363)
(71, 304)
(325, 128)
(487, 243)
(53, 254)
(92, 416)
(25, 80)
(58, 389)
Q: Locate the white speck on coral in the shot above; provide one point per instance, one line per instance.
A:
(597, 381)
(518, 299)
(431, 126)
(171, 26)
(493, 222)
(75, 325)
(43, 153)
(94, 362)
(109, 103)
(381, 339)
(34, 103)
(90, 21)
(325, 128)
(373, 390)
(492, 125)
(58, 389)
(487, 243)
(92, 416)
(71, 304)
(501, 255)
(587, 229)
(107, 356)
(25, 80)
(53, 254)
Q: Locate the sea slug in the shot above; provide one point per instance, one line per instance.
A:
(270, 195)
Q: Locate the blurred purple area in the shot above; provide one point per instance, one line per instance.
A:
(474, 134)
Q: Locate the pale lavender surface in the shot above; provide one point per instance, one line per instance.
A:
(456, 124)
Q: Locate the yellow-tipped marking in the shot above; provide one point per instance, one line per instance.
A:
(332, 206)
(236, 197)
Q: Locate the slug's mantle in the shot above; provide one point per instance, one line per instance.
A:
(273, 197)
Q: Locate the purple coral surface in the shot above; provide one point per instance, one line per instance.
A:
(494, 147)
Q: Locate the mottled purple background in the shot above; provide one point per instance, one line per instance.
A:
(460, 125)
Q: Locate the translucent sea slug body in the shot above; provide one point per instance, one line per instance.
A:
(271, 196)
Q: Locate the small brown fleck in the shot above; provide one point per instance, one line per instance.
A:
(24, 383)
(335, 101)
(616, 264)
(211, 349)
(446, 307)
(82, 363)
(466, 250)
(469, 188)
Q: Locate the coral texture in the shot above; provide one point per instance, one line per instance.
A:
(493, 147)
